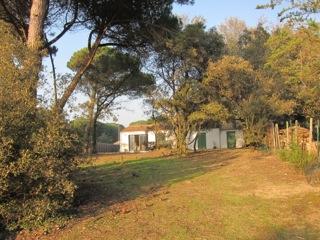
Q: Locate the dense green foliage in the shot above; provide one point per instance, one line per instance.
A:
(142, 122)
(252, 45)
(37, 147)
(294, 61)
(179, 63)
(106, 132)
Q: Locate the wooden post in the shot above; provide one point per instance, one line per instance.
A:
(277, 140)
(310, 135)
(311, 131)
(273, 136)
(318, 136)
(296, 132)
(287, 134)
(278, 137)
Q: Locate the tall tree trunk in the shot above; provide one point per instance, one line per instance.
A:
(90, 122)
(94, 132)
(38, 14)
(76, 79)
(181, 135)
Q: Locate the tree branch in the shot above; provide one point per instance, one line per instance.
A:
(66, 28)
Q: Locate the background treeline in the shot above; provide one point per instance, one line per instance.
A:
(251, 75)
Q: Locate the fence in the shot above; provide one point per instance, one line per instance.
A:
(105, 147)
(304, 137)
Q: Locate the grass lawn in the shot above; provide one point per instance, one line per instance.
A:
(240, 194)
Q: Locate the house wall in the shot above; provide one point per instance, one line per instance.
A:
(216, 138)
(124, 139)
(239, 138)
(213, 138)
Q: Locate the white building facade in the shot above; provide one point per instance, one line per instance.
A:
(143, 138)
(138, 138)
(217, 138)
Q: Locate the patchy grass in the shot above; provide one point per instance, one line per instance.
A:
(296, 156)
(238, 194)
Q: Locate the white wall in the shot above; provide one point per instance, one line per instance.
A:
(217, 138)
(124, 139)
(212, 139)
(239, 138)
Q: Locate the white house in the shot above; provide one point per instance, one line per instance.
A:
(142, 138)
(137, 138)
(217, 138)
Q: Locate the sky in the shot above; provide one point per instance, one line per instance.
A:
(215, 12)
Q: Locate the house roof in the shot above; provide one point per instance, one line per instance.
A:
(137, 128)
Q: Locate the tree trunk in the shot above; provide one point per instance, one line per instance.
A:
(38, 15)
(76, 79)
(90, 123)
(195, 142)
(182, 140)
(94, 133)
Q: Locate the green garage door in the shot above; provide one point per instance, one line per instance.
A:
(231, 139)
(202, 141)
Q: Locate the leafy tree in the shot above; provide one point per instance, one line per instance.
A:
(112, 74)
(178, 65)
(108, 132)
(231, 80)
(121, 23)
(296, 10)
(294, 63)
(252, 46)
(105, 132)
(231, 30)
(246, 93)
(37, 148)
(142, 122)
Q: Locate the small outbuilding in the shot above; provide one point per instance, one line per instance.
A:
(139, 138)
(217, 138)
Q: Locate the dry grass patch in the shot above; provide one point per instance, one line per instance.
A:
(240, 194)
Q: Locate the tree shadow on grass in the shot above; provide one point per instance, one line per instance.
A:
(290, 233)
(104, 185)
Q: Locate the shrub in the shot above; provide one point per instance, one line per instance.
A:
(37, 147)
(36, 180)
(296, 156)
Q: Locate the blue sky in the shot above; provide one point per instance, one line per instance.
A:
(215, 12)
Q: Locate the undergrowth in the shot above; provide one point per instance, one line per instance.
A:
(297, 156)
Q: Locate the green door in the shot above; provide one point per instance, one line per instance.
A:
(202, 141)
(231, 139)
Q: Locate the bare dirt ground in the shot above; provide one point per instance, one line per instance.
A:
(229, 194)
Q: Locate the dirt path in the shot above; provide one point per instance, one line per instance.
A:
(239, 194)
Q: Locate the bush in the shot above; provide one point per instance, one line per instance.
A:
(296, 156)
(36, 180)
(37, 147)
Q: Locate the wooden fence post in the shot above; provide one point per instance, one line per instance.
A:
(277, 136)
(310, 135)
(273, 136)
(287, 134)
(318, 136)
(311, 131)
(296, 132)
